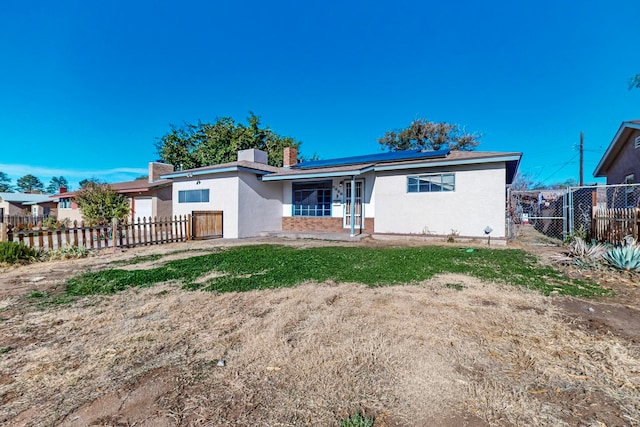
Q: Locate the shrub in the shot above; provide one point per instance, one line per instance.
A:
(13, 252)
(585, 254)
(69, 251)
(357, 420)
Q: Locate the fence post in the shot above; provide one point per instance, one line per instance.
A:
(188, 227)
(3, 232)
(114, 233)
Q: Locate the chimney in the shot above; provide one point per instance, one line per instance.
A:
(156, 169)
(253, 155)
(290, 157)
(62, 189)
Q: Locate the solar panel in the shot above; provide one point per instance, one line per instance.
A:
(374, 158)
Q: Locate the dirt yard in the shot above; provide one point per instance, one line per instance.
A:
(451, 351)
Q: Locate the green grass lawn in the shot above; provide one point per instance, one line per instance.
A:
(267, 266)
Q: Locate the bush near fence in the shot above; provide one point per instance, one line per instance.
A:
(151, 231)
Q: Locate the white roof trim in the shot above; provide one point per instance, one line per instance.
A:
(449, 163)
(189, 174)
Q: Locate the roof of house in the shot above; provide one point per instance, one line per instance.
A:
(357, 165)
(616, 145)
(410, 160)
(241, 165)
(27, 198)
(389, 156)
(126, 187)
(139, 185)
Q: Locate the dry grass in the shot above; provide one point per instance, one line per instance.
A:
(409, 355)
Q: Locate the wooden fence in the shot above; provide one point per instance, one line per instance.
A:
(612, 225)
(151, 231)
(21, 220)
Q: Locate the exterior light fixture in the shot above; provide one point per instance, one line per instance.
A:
(488, 231)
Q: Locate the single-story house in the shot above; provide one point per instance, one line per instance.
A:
(23, 204)
(405, 192)
(149, 197)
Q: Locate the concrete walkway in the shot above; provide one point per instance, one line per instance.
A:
(344, 237)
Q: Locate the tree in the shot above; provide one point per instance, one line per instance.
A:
(56, 183)
(88, 181)
(204, 144)
(100, 203)
(29, 184)
(425, 135)
(634, 82)
(5, 183)
(522, 182)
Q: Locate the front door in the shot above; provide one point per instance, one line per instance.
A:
(358, 205)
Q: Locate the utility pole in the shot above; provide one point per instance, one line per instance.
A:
(581, 158)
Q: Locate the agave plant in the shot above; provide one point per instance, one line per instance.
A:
(583, 254)
(580, 249)
(625, 257)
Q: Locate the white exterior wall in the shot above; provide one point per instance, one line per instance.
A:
(478, 201)
(223, 196)
(260, 206)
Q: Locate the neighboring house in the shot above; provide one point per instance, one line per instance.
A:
(149, 197)
(406, 192)
(20, 204)
(620, 163)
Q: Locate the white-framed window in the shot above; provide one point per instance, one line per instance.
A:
(637, 141)
(193, 196)
(312, 199)
(65, 203)
(431, 183)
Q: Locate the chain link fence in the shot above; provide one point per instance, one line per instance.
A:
(605, 213)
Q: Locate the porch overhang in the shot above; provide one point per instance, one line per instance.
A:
(318, 174)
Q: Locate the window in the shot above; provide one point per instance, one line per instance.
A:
(65, 203)
(193, 196)
(628, 196)
(637, 142)
(312, 199)
(431, 183)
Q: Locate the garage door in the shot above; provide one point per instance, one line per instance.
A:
(142, 208)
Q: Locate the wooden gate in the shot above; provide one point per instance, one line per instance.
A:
(206, 224)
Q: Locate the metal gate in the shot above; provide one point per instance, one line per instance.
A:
(538, 215)
(206, 224)
(602, 212)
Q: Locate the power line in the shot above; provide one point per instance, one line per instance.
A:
(563, 166)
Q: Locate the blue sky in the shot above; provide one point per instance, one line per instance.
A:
(87, 87)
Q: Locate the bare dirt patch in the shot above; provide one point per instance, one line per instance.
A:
(450, 351)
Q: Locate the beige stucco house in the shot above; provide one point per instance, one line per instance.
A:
(407, 192)
(149, 197)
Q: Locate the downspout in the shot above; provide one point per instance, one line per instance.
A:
(353, 206)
